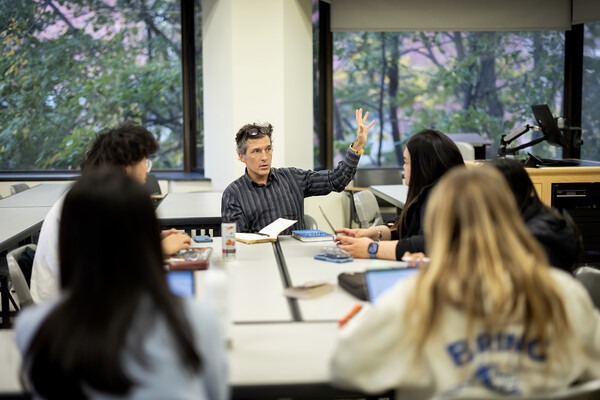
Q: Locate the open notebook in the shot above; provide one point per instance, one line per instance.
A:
(267, 234)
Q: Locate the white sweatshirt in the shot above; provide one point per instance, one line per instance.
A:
(370, 358)
(45, 271)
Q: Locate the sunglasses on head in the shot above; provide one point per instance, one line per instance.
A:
(255, 131)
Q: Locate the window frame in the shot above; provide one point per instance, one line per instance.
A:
(191, 170)
(572, 88)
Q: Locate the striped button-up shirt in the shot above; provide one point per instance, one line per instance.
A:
(253, 206)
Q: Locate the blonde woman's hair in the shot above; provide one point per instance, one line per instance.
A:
(484, 261)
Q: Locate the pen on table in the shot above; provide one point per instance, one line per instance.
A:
(349, 316)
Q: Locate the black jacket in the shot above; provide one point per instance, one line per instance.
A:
(558, 236)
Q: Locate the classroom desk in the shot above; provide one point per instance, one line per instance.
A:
(19, 224)
(266, 361)
(283, 361)
(43, 195)
(271, 355)
(191, 211)
(394, 194)
(255, 285)
(302, 267)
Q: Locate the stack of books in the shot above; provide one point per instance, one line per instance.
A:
(312, 235)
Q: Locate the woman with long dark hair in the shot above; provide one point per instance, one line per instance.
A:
(116, 330)
(428, 155)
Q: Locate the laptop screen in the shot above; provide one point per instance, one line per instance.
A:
(181, 283)
(380, 280)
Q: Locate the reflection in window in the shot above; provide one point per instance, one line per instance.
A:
(73, 68)
(590, 117)
(456, 82)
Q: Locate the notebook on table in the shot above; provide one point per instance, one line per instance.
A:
(312, 235)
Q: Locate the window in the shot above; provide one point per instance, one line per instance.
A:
(590, 117)
(456, 82)
(73, 68)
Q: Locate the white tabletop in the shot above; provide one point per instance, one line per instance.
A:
(43, 195)
(261, 354)
(302, 267)
(10, 361)
(394, 194)
(190, 205)
(19, 222)
(256, 288)
(288, 353)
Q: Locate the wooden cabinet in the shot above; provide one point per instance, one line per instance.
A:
(543, 178)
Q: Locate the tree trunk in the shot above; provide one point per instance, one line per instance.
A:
(381, 94)
(487, 81)
(393, 94)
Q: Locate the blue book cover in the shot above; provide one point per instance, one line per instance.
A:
(312, 235)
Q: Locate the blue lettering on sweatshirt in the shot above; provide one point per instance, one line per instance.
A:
(461, 353)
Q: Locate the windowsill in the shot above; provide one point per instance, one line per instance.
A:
(72, 175)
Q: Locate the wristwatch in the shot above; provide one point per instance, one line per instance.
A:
(373, 247)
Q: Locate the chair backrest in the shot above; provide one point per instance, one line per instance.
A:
(466, 150)
(366, 177)
(590, 277)
(151, 185)
(310, 222)
(18, 187)
(367, 209)
(584, 391)
(16, 268)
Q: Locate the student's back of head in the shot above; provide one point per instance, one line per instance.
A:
(109, 237)
(555, 231)
(120, 147)
(520, 185)
(111, 263)
(484, 261)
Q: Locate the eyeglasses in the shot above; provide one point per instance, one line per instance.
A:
(148, 166)
(255, 131)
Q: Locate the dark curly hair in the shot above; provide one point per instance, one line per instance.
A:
(121, 147)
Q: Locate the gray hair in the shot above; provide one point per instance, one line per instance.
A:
(259, 131)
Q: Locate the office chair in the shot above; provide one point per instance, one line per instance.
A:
(367, 209)
(20, 262)
(18, 187)
(366, 177)
(151, 185)
(584, 391)
(590, 277)
(310, 222)
(466, 150)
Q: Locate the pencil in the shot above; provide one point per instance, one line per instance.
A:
(348, 316)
